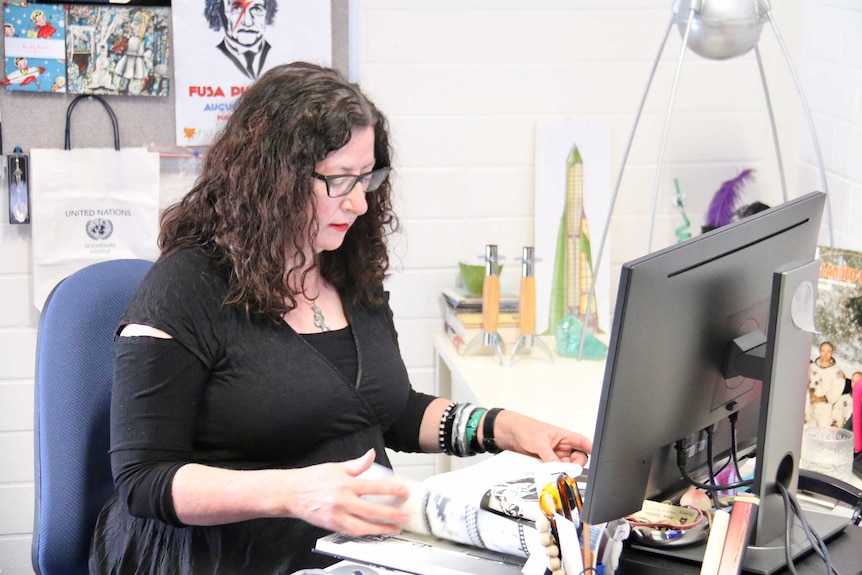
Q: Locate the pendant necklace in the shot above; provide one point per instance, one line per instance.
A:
(319, 320)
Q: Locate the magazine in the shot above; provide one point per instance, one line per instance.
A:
(490, 506)
(419, 554)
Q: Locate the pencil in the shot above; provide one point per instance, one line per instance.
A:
(586, 550)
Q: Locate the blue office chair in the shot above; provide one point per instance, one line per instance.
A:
(74, 371)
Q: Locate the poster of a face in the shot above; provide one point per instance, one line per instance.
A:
(222, 46)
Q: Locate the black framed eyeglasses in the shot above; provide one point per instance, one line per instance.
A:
(342, 184)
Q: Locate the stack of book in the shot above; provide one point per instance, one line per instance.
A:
(462, 316)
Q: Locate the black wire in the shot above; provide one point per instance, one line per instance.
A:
(712, 493)
(681, 447)
(817, 542)
(788, 529)
(704, 486)
(818, 545)
(733, 447)
(722, 467)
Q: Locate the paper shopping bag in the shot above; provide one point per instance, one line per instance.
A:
(91, 205)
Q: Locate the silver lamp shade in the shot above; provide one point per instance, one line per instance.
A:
(722, 29)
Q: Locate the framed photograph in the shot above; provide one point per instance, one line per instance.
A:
(836, 354)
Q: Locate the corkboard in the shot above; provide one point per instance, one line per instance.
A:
(37, 120)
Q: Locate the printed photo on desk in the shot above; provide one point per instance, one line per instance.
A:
(836, 354)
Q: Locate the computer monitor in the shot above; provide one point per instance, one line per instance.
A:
(679, 314)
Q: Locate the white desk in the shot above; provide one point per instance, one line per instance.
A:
(564, 392)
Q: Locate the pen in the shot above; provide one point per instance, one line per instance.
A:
(586, 550)
(589, 556)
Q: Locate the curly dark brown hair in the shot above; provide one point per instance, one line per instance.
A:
(250, 205)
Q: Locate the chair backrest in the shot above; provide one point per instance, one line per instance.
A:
(74, 371)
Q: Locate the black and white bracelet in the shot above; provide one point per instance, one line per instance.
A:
(458, 433)
(441, 435)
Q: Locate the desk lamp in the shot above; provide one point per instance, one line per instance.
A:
(716, 30)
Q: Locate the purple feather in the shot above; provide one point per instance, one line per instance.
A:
(723, 203)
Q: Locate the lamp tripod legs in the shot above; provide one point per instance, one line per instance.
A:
(591, 293)
(810, 119)
(614, 195)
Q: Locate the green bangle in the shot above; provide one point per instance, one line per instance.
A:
(488, 431)
(472, 437)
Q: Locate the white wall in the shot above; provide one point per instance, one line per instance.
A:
(464, 83)
(832, 79)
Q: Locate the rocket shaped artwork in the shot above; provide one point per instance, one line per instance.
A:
(573, 265)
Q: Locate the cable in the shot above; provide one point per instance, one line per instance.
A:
(712, 493)
(706, 487)
(788, 529)
(818, 545)
(733, 417)
(817, 542)
(681, 458)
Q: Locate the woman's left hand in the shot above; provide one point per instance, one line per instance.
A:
(518, 432)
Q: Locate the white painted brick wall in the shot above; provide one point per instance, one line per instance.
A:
(832, 75)
(463, 84)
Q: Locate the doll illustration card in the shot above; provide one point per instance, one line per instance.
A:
(118, 50)
(35, 47)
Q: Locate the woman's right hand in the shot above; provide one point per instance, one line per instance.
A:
(333, 496)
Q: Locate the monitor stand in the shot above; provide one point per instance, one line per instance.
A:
(769, 558)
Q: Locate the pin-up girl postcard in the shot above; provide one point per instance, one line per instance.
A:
(35, 47)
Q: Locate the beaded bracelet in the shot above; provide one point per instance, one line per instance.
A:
(441, 434)
(449, 429)
(472, 435)
(488, 431)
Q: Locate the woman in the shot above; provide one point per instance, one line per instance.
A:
(257, 369)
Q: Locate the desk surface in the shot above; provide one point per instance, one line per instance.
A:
(564, 392)
(845, 551)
